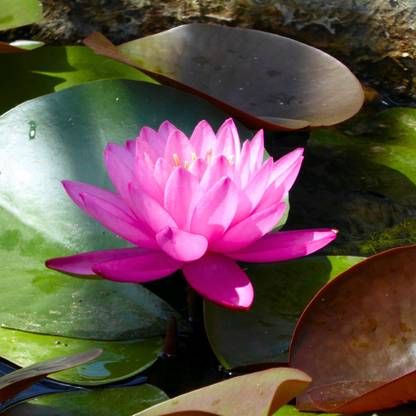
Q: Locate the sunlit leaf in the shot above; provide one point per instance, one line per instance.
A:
(263, 80)
(257, 394)
(15, 13)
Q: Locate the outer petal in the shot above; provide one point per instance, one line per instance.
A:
(181, 245)
(142, 147)
(202, 139)
(226, 143)
(149, 211)
(284, 163)
(138, 269)
(215, 210)
(256, 151)
(120, 174)
(122, 153)
(81, 264)
(154, 140)
(249, 230)
(147, 181)
(284, 245)
(182, 193)
(162, 172)
(198, 168)
(220, 280)
(74, 189)
(117, 221)
(242, 170)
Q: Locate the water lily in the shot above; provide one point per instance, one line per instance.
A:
(198, 204)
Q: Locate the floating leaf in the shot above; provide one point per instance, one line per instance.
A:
(359, 327)
(257, 394)
(282, 291)
(63, 136)
(120, 359)
(12, 384)
(115, 402)
(264, 80)
(54, 68)
(15, 13)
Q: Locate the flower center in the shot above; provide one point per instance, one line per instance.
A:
(209, 158)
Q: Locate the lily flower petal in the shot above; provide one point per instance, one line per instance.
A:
(152, 140)
(203, 138)
(178, 150)
(249, 230)
(230, 126)
(181, 245)
(117, 221)
(146, 180)
(182, 193)
(123, 154)
(256, 151)
(221, 281)
(198, 168)
(165, 129)
(219, 168)
(81, 264)
(284, 245)
(162, 171)
(138, 269)
(215, 210)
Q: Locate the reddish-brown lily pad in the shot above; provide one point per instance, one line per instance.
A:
(17, 381)
(257, 394)
(356, 339)
(261, 79)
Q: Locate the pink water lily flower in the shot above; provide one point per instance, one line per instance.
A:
(198, 204)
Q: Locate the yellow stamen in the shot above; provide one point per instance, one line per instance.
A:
(175, 157)
(193, 156)
(230, 159)
(186, 164)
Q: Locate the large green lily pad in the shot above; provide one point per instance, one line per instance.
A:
(119, 360)
(115, 402)
(282, 291)
(257, 394)
(264, 80)
(356, 339)
(63, 136)
(14, 383)
(53, 68)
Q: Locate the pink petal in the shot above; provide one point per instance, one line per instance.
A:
(202, 139)
(220, 280)
(120, 174)
(74, 189)
(181, 245)
(81, 264)
(219, 168)
(242, 170)
(256, 151)
(225, 144)
(138, 269)
(117, 221)
(147, 181)
(229, 124)
(284, 245)
(153, 140)
(162, 172)
(249, 230)
(288, 178)
(215, 210)
(130, 145)
(253, 192)
(123, 154)
(182, 193)
(143, 147)
(149, 211)
(179, 145)
(165, 129)
(284, 163)
(198, 168)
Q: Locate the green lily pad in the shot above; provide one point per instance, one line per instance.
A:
(63, 136)
(15, 13)
(53, 68)
(115, 402)
(119, 360)
(282, 291)
(257, 394)
(289, 410)
(17, 381)
(264, 80)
